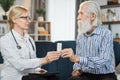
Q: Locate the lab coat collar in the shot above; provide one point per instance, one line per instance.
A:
(18, 36)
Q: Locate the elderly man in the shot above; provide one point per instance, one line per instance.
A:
(94, 59)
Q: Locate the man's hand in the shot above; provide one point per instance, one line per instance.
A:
(76, 72)
(68, 52)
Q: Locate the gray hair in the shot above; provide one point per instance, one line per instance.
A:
(93, 8)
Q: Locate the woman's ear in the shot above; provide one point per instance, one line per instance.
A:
(13, 20)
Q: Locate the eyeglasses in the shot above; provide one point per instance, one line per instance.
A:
(25, 17)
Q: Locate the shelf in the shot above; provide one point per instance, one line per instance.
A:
(34, 30)
(111, 22)
(39, 34)
(44, 22)
(110, 6)
(43, 34)
(3, 21)
(46, 26)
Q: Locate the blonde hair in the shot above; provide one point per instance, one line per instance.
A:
(15, 12)
(93, 8)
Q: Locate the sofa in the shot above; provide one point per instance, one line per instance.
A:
(63, 66)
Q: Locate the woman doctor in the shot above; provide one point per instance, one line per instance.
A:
(18, 48)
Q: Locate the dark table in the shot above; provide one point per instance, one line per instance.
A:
(45, 76)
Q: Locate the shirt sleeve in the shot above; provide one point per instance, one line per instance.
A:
(10, 55)
(105, 55)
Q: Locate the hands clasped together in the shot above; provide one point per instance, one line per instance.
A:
(55, 55)
(65, 53)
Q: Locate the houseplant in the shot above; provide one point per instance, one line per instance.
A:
(111, 15)
(41, 12)
(6, 4)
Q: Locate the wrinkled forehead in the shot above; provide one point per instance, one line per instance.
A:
(82, 7)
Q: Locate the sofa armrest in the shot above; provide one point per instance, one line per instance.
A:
(117, 52)
(1, 59)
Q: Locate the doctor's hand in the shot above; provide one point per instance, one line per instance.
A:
(68, 52)
(51, 56)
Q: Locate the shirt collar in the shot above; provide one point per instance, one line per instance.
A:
(18, 36)
(95, 32)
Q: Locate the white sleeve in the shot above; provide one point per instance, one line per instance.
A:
(10, 54)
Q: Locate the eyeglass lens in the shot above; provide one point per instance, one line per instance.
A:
(25, 17)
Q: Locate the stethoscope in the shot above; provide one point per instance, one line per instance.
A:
(18, 46)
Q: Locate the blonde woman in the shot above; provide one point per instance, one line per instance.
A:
(18, 48)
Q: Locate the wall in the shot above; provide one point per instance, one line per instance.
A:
(61, 14)
(26, 3)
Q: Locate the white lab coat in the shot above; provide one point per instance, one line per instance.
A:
(17, 62)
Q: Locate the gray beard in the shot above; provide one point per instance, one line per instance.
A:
(83, 27)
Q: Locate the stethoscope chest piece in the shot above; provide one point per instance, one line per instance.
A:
(19, 47)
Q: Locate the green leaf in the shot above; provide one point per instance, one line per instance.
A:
(6, 4)
(41, 11)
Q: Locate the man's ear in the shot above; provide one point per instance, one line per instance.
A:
(93, 16)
